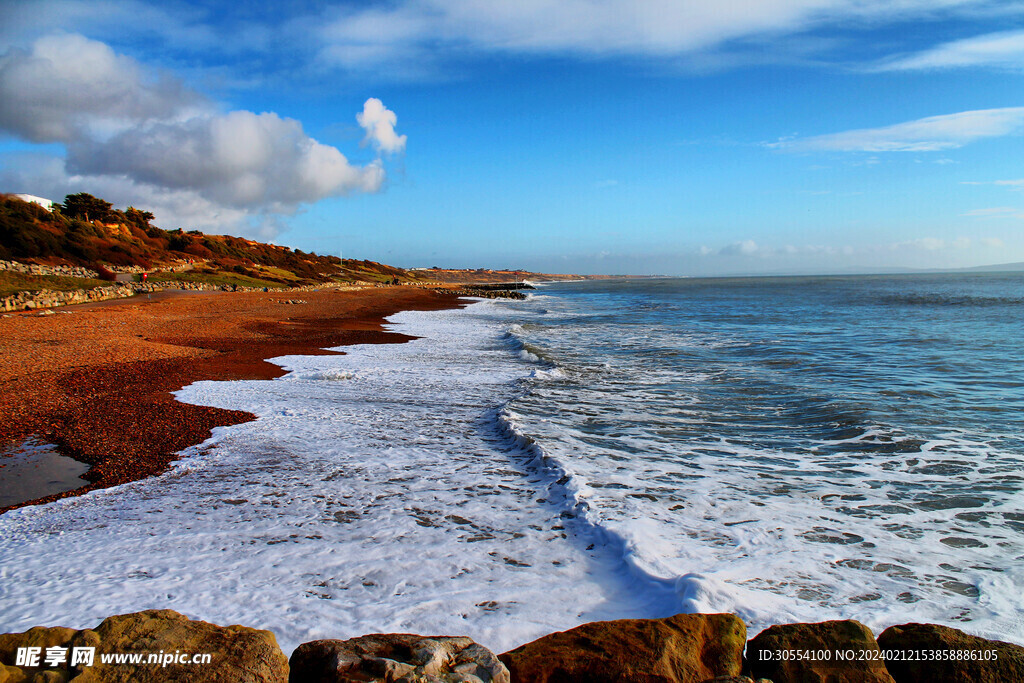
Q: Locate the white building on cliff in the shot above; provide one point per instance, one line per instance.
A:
(41, 201)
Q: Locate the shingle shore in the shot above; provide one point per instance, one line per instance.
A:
(96, 379)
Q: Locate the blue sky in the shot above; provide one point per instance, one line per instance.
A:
(687, 138)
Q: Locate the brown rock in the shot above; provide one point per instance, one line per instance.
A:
(237, 653)
(396, 658)
(11, 674)
(51, 676)
(686, 648)
(829, 652)
(939, 654)
(39, 636)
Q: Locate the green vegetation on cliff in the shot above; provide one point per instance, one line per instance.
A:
(87, 231)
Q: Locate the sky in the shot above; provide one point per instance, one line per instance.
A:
(669, 137)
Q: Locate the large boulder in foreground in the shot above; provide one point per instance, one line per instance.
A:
(686, 648)
(828, 652)
(236, 653)
(940, 654)
(396, 658)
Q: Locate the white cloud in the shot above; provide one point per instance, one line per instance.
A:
(379, 123)
(239, 159)
(588, 27)
(1016, 184)
(744, 248)
(68, 86)
(996, 212)
(48, 177)
(752, 248)
(406, 39)
(934, 133)
(1004, 49)
(158, 144)
(929, 243)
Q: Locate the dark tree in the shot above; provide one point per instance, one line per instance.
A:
(138, 217)
(83, 205)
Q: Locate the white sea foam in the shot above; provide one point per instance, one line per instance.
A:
(829, 528)
(507, 480)
(390, 501)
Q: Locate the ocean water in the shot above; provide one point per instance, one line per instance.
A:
(788, 449)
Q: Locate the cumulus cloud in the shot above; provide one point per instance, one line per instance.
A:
(1003, 49)
(68, 86)
(240, 159)
(379, 123)
(150, 139)
(47, 176)
(930, 134)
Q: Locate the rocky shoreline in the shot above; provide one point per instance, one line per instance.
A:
(46, 299)
(686, 648)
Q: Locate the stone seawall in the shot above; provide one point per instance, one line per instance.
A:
(27, 301)
(33, 269)
(484, 292)
(46, 298)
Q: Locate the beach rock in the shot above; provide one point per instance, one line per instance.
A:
(237, 653)
(39, 636)
(396, 658)
(686, 648)
(817, 653)
(970, 659)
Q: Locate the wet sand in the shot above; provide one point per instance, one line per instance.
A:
(95, 379)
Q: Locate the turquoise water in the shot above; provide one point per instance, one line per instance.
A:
(806, 447)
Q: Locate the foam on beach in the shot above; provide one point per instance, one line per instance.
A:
(385, 502)
(520, 468)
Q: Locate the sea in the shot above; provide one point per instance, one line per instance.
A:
(786, 449)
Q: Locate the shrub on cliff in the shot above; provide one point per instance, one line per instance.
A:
(84, 205)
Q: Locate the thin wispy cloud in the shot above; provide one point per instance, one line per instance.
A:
(411, 39)
(931, 134)
(749, 249)
(1002, 49)
(996, 212)
(1017, 184)
(420, 29)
